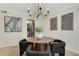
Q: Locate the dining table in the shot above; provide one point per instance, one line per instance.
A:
(40, 44)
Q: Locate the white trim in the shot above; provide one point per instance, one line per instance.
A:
(73, 51)
(8, 45)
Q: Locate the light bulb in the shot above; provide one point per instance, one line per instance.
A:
(30, 13)
(39, 5)
(28, 8)
(48, 10)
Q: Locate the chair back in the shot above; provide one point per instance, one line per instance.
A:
(58, 46)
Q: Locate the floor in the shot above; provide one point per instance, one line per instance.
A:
(10, 51)
(14, 51)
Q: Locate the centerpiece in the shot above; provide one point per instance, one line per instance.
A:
(39, 32)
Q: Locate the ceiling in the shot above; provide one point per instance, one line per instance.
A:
(22, 7)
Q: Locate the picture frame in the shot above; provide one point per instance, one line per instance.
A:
(53, 23)
(12, 24)
(67, 21)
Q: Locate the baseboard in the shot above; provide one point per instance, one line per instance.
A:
(73, 51)
(8, 45)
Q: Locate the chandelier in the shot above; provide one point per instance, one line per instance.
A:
(39, 12)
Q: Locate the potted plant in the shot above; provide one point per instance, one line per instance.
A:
(39, 32)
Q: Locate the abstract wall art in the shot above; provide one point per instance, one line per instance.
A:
(53, 23)
(67, 21)
(12, 24)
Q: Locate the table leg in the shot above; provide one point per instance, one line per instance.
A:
(40, 47)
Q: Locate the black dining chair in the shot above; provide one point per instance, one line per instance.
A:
(31, 52)
(58, 47)
(23, 44)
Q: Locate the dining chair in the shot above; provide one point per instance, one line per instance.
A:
(23, 44)
(58, 47)
(31, 52)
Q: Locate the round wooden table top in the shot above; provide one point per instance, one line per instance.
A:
(40, 40)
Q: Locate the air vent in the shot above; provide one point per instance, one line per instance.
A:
(3, 11)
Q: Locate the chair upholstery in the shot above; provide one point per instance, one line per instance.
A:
(31, 52)
(23, 44)
(58, 46)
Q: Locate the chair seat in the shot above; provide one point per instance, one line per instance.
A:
(31, 52)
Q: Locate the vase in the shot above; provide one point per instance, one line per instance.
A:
(39, 35)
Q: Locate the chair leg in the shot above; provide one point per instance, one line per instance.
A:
(52, 54)
(61, 54)
(21, 53)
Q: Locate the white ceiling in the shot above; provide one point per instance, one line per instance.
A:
(22, 7)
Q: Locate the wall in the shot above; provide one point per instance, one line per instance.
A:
(12, 38)
(70, 37)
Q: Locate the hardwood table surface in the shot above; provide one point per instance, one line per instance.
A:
(39, 44)
(44, 39)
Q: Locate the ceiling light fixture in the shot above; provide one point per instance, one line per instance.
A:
(39, 12)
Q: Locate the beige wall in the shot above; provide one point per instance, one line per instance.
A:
(12, 38)
(70, 37)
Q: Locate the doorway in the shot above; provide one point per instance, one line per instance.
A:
(30, 28)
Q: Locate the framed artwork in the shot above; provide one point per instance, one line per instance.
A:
(12, 24)
(67, 21)
(53, 23)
